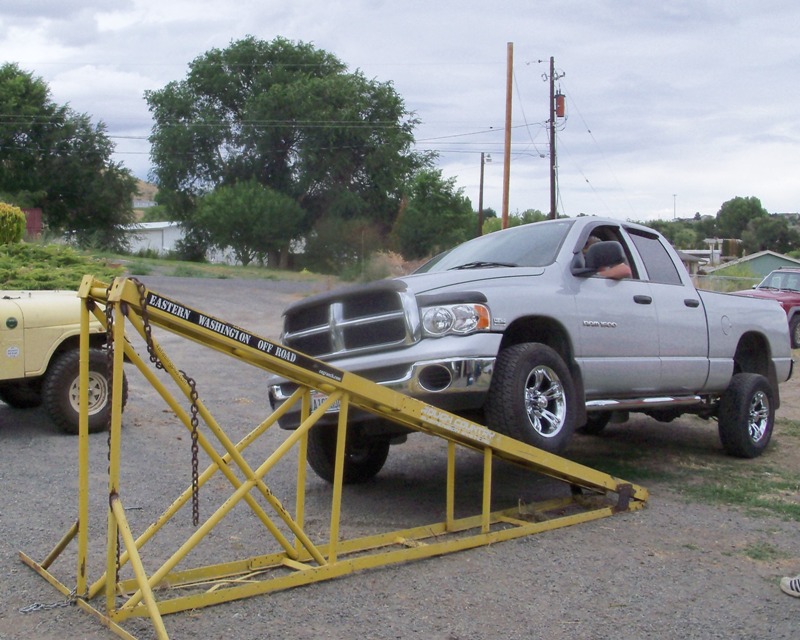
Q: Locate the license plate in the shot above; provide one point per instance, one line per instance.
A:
(318, 398)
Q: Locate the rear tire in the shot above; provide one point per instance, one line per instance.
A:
(746, 415)
(532, 397)
(364, 456)
(60, 391)
(595, 423)
(794, 331)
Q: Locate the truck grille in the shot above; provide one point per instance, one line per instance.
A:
(359, 320)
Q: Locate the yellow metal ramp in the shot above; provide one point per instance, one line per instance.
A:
(128, 309)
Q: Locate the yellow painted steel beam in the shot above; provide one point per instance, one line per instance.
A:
(304, 561)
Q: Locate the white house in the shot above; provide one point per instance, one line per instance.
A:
(159, 237)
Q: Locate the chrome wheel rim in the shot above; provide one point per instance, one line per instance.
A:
(545, 403)
(758, 419)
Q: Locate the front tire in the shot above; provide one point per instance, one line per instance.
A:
(532, 397)
(60, 391)
(746, 415)
(364, 456)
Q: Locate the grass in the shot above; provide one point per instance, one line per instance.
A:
(38, 266)
(648, 453)
(35, 266)
(765, 552)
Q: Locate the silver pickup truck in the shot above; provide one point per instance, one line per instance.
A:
(521, 331)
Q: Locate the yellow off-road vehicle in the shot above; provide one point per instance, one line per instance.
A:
(39, 358)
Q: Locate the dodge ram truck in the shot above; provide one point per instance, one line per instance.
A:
(40, 355)
(519, 330)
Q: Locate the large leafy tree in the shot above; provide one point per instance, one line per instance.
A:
(290, 117)
(56, 159)
(253, 220)
(734, 215)
(437, 216)
(771, 233)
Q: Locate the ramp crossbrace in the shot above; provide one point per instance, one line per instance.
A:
(298, 560)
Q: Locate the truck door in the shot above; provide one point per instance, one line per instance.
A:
(618, 338)
(680, 318)
(12, 361)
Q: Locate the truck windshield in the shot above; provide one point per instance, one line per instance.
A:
(530, 245)
(785, 280)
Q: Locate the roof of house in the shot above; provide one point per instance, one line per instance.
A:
(773, 255)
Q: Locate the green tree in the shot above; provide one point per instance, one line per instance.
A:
(12, 223)
(253, 220)
(437, 216)
(56, 159)
(341, 246)
(772, 233)
(735, 214)
(292, 118)
(681, 234)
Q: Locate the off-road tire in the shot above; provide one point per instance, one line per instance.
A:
(532, 397)
(364, 456)
(746, 415)
(794, 331)
(60, 390)
(22, 395)
(595, 423)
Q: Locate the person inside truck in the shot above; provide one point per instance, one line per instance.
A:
(616, 271)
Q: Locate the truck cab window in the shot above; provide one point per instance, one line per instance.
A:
(659, 265)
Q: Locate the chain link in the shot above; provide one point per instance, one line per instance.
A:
(193, 395)
(109, 362)
(195, 485)
(148, 332)
(109, 373)
(46, 606)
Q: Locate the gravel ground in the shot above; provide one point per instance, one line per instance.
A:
(673, 570)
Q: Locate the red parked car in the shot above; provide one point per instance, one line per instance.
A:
(782, 285)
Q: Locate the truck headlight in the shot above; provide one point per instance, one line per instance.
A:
(459, 319)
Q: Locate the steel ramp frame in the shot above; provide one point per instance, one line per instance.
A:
(300, 561)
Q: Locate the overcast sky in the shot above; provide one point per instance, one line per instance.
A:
(673, 107)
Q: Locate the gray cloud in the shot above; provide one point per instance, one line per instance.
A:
(690, 97)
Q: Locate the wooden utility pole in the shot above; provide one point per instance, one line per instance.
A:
(480, 197)
(553, 213)
(507, 159)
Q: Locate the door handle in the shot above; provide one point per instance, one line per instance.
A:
(642, 299)
(691, 302)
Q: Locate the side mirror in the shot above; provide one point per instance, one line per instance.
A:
(601, 254)
(604, 254)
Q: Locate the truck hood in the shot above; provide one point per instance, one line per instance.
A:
(422, 283)
(786, 298)
(432, 282)
(42, 308)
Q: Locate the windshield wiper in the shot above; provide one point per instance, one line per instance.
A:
(480, 264)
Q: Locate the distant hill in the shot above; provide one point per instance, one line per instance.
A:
(145, 190)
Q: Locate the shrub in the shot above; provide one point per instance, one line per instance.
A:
(12, 224)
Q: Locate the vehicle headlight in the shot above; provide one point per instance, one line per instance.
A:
(459, 319)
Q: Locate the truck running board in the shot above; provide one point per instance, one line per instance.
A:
(298, 558)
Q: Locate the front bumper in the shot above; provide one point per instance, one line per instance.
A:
(458, 383)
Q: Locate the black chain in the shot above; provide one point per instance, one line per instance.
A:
(193, 395)
(109, 362)
(148, 332)
(195, 486)
(109, 381)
